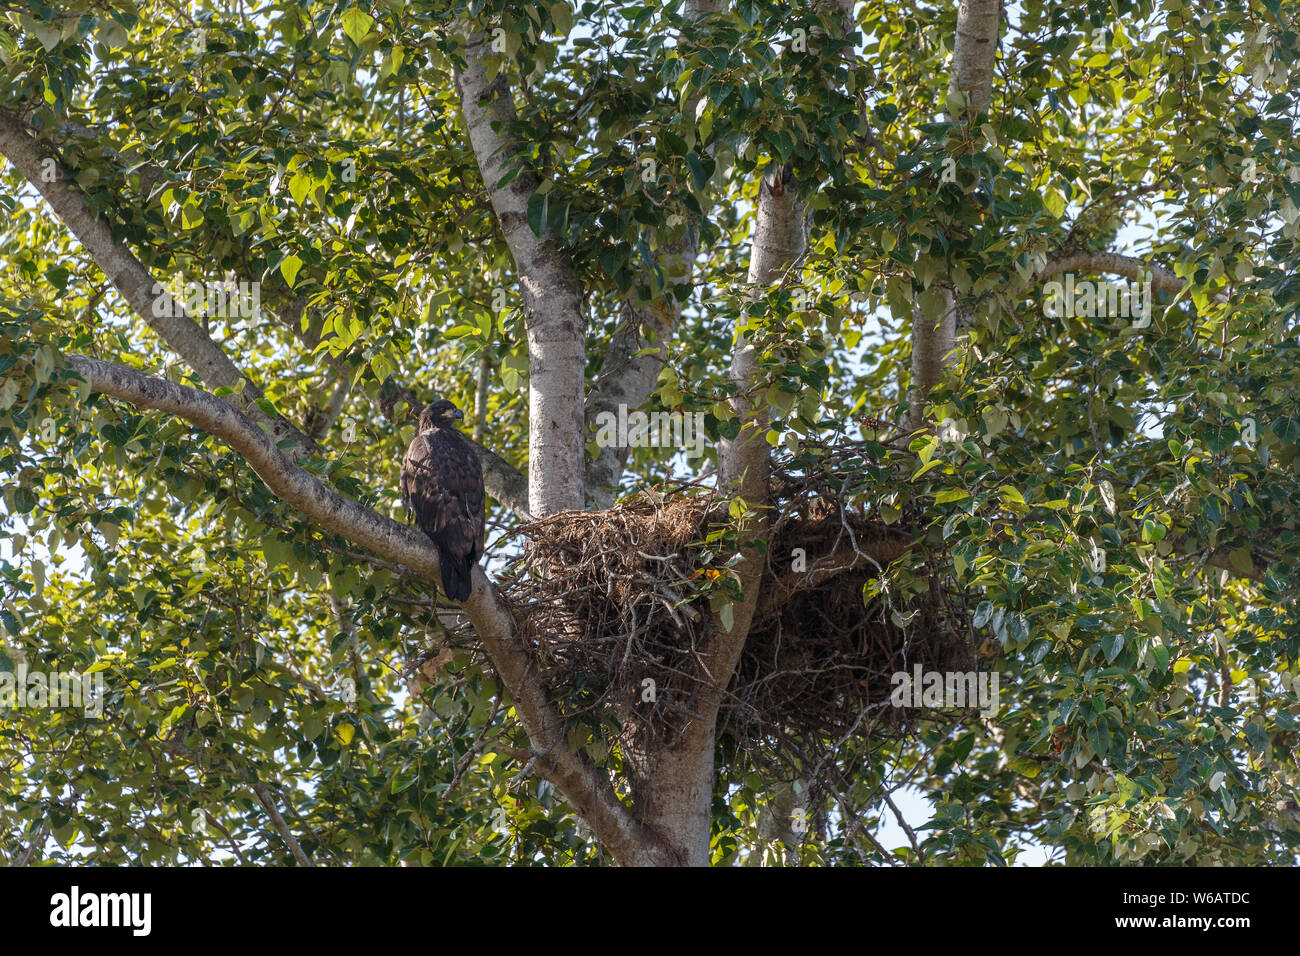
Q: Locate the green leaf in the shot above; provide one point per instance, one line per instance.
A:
(191, 215)
(289, 268)
(562, 17)
(780, 401)
(1011, 495)
(701, 170)
(300, 184)
(356, 24)
(1054, 201)
(1152, 531)
(951, 494)
(47, 33)
(928, 466)
(933, 304)
(537, 213)
(1018, 628)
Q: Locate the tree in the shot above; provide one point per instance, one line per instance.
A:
(873, 248)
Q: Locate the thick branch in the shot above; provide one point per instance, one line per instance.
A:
(585, 787)
(627, 378)
(162, 314)
(503, 481)
(553, 310)
(1162, 279)
(974, 54)
(932, 345)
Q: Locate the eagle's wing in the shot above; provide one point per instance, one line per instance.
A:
(471, 493)
(424, 490)
(442, 487)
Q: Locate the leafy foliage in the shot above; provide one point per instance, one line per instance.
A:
(1149, 698)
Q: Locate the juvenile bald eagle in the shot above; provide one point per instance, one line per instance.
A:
(442, 488)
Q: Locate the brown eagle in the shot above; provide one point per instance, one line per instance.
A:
(442, 488)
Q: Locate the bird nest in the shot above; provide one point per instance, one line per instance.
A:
(617, 605)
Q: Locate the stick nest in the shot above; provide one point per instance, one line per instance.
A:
(617, 606)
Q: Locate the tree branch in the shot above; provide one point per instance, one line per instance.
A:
(553, 311)
(1162, 279)
(264, 796)
(585, 786)
(174, 326)
(628, 379)
(974, 54)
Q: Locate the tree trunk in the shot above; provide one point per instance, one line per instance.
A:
(553, 309)
(672, 789)
(978, 22)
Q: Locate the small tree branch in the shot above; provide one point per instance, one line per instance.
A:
(38, 840)
(264, 795)
(322, 417)
(627, 379)
(481, 393)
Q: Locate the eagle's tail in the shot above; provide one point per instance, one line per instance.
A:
(455, 576)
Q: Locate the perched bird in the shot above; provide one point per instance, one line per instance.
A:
(442, 488)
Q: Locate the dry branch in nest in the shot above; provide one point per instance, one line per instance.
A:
(616, 604)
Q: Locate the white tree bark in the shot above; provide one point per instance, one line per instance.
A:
(978, 22)
(974, 50)
(133, 281)
(553, 308)
(744, 463)
(672, 790)
(625, 377)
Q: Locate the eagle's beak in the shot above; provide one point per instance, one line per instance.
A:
(457, 413)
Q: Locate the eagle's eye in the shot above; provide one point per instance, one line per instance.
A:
(441, 412)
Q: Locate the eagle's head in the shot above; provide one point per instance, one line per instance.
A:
(440, 413)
